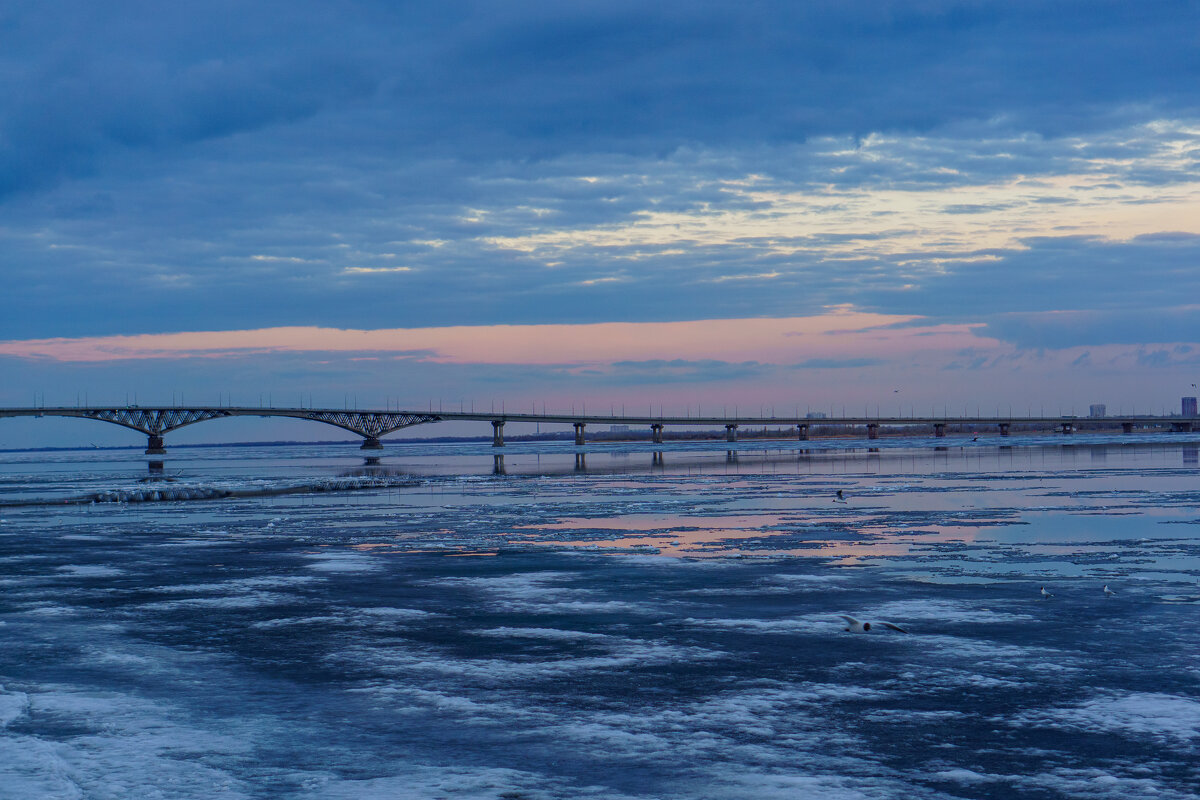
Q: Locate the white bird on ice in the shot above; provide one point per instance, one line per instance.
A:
(857, 626)
(1044, 593)
(1109, 592)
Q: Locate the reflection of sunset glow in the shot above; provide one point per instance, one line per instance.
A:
(658, 522)
(715, 536)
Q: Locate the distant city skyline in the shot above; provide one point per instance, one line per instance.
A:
(815, 205)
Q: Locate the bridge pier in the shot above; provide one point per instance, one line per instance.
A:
(802, 433)
(371, 443)
(939, 430)
(731, 432)
(872, 430)
(1004, 428)
(497, 433)
(154, 446)
(1126, 427)
(579, 426)
(656, 433)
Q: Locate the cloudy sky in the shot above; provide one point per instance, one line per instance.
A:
(781, 204)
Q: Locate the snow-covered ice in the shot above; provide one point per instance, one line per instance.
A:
(636, 630)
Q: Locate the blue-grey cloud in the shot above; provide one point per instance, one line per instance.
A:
(664, 371)
(837, 363)
(534, 80)
(1072, 291)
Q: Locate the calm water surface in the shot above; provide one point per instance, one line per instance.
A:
(615, 621)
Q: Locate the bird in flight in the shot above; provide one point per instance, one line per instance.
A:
(857, 626)
(840, 498)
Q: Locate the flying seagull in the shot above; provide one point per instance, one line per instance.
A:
(841, 498)
(856, 626)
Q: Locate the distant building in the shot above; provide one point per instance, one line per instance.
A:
(618, 429)
(1097, 410)
(815, 415)
(1189, 407)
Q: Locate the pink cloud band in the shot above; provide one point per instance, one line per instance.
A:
(840, 333)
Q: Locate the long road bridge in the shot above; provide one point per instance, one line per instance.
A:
(156, 422)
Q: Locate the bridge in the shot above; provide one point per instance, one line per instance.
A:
(371, 425)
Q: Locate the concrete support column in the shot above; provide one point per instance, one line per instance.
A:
(802, 433)
(656, 433)
(1126, 427)
(1004, 428)
(579, 426)
(1067, 428)
(872, 430)
(939, 430)
(154, 445)
(731, 432)
(371, 443)
(497, 433)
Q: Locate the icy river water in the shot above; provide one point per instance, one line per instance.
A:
(638, 622)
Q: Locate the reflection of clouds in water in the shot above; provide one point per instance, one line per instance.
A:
(407, 661)
(231, 594)
(540, 593)
(376, 618)
(90, 571)
(551, 634)
(122, 745)
(244, 600)
(343, 562)
(947, 611)
(420, 781)
(237, 585)
(1164, 718)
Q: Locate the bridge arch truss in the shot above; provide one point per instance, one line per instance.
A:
(156, 422)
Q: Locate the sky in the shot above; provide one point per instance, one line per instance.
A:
(903, 206)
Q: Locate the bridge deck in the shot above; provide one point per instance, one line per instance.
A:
(426, 416)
